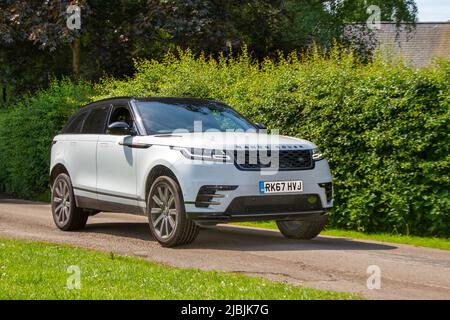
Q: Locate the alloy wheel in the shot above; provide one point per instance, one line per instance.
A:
(61, 202)
(163, 210)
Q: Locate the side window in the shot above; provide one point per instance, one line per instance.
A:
(96, 121)
(74, 126)
(121, 114)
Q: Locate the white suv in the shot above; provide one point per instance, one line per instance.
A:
(185, 163)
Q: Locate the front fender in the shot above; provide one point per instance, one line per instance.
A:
(156, 156)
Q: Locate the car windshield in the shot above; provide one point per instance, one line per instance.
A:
(168, 117)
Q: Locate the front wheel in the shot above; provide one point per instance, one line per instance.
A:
(166, 214)
(66, 215)
(302, 229)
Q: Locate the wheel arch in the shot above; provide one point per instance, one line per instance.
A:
(155, 172)
(57, 170)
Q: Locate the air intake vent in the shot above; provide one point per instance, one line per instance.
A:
(328, 186)
(270, 204)
(207, 195)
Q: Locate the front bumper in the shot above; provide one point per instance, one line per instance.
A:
(224, 218)
(197, 174)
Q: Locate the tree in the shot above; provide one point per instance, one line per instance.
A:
(44, 24)
(322, 21)
(114, 33)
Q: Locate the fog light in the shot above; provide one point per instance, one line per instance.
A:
(312, 199)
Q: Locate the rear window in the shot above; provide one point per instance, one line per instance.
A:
(96, 121)
(75, 124)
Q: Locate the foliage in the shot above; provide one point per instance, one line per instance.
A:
(383, 126)
(26, 131)
(305, 22)
(209, 26)
(35, 42)
(24, 69)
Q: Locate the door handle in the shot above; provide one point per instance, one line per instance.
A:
(103, 144)
(135, 145)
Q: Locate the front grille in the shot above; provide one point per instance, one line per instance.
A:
(270, 204)
(287, 160)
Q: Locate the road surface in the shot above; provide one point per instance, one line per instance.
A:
(330, 263)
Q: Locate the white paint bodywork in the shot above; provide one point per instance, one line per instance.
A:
(101, 167)
(100, 164)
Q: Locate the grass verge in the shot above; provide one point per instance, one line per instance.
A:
(36, 270)
(437, 243)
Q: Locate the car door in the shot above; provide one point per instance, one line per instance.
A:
(82, 156)
(116, 165)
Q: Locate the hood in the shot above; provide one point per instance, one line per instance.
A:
(227, 140)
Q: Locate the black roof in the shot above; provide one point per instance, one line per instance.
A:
(176, 99)
(156, 99)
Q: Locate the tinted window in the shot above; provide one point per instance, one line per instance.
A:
(75, 124)
(121, 114)
(161, 117)
(96, 121)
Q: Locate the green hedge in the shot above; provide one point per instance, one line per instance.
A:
(26, 132)
(383, 126)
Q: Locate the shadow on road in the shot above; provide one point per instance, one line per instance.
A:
(238, 238)
(135, 230)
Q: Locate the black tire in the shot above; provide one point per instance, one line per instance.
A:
(302, 229)
(166, 214)
(66, 215)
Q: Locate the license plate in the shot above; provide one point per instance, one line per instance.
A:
(280, 186)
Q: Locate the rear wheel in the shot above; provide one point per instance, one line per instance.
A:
(166, 214)
(66, 215)
(302, 229)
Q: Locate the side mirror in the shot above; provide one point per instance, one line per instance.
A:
(260, 126)
(120, 129)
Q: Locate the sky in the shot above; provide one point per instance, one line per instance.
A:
(433, 10)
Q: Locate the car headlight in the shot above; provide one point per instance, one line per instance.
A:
(204, 154)
(317, 154)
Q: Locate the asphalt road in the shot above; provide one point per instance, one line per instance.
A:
(325, 263)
